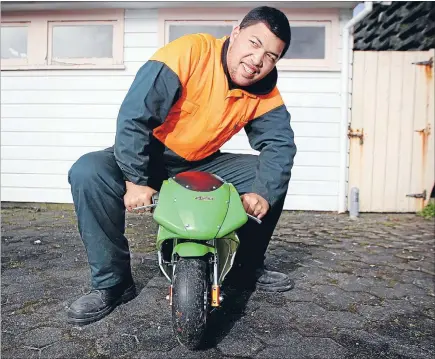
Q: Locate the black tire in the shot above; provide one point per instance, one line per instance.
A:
(190, 301)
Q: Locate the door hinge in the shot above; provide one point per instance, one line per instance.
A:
(424, 63)
(359, 134)
(418, 195)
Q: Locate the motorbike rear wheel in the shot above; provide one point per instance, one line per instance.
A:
(190, 301)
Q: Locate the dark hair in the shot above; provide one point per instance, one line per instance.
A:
(274, 19)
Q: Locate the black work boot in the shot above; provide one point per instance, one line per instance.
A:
(260, 278)
(98, 303)
(272, 281)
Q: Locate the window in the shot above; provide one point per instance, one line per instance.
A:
(176, 29)
(174, 23)
(315, 33)
(314, 45)
(14, 43)
(308, 42)
(62, 40)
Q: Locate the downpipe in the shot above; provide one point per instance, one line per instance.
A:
(344, 141)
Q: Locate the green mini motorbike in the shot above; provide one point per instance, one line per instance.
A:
(198, 214)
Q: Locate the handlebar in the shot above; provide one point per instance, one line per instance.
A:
(254, 218)
(154, 199)
(154, 205)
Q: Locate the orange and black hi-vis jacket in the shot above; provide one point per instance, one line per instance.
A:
(184, 97)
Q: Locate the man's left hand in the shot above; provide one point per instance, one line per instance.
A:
(255, 205)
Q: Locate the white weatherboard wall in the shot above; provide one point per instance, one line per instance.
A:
(50, 118)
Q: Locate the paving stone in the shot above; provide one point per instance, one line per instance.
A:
(429, 312)
(94, 330)
(411, 351)
(271, 318)
(334, 298)
(177, 353)
(396, 291)
(314, 327)
(239, 342)
(275, 337)
(116, 345)
(19, 352)
(358, 341)
(341, 319)
(410, 328)
(387, 309)
(40, 337)
(351, 283)
(306, 310)
(156, 339)
(21, 322)
(299, 295)
(68, 350)
(318, 348)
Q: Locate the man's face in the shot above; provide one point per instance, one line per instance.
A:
(252, 54)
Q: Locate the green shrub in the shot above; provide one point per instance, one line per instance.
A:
(428, 211)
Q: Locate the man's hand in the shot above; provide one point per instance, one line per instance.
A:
(255, 205)
(137, 196)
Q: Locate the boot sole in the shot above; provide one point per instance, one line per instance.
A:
(126, 297)
(276, 287)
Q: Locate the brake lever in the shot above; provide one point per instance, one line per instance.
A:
(154, 199)
(254, 218)
(150, 206)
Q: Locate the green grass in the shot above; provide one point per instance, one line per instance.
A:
(428, 211)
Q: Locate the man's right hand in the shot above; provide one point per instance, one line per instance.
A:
(137, 196)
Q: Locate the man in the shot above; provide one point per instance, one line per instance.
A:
(190, 98)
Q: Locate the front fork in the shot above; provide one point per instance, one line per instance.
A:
(216, 298)
(215, 289)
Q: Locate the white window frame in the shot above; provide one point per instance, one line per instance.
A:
(318, 64)
(329, 18)
(39, 40)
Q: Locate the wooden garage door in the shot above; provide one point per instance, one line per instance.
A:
(392, 130)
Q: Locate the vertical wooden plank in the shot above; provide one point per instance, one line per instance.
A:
(393, 130)
(393, 102)
(370, 97)
(357, 121)
(419, 145)
(380, 131)
(406, 133)
(429, 164)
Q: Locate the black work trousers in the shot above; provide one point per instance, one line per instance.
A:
(98, 188)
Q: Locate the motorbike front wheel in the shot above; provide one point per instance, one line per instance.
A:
(190, 301)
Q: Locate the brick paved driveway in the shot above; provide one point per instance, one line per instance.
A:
(364, 289)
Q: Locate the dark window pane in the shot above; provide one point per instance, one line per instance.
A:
(308, 42)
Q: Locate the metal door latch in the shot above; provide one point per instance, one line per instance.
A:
(424, 63)
(418, 195)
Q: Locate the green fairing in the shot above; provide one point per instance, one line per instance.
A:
(164, 234)
(191, 249)
(186, 214)
(236, 215)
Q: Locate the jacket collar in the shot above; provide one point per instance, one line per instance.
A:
(262, 87)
